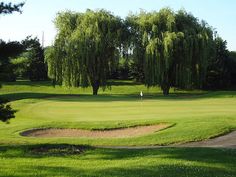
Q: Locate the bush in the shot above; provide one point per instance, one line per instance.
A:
(6, 112)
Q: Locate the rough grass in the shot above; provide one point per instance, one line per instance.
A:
(28, 161)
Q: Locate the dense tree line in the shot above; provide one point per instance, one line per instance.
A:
(7, 50)
(36, 69)
(24, 60)
(218, 75)
(165, 48)
(232, 68)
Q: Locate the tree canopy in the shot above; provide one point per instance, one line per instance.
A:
(8, 8)
(6, 112)
(173, 47)
(7, 51)
(167, 49)
(34, 52)
(85, 48)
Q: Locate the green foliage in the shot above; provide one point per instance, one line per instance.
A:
(174, 48)
(122, 69)
(36, 69)
(165, 48)
(85, 48)
(218, 76)
(21, 65)
(231, 65)
(9, 8)
(8, 51)
(6, 112)
(232, 54)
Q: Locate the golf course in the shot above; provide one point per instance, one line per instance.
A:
(117, 88)
(187, 115)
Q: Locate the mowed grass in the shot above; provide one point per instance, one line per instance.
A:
(192, 115)
(23, 89)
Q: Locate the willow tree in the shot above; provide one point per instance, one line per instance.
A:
(157, 40)
(136, 44)
(176, 48)
(85, 48)
(193, 52)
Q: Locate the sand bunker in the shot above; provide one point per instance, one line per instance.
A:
(116, 133)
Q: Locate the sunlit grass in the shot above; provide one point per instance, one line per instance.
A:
(194, 115)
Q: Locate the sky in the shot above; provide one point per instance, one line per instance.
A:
(38, 15)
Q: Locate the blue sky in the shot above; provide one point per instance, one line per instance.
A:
(38, 15)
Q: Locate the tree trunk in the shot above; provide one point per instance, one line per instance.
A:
(166, 89)
(95, 86)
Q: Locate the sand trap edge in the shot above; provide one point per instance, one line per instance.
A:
(135, 131)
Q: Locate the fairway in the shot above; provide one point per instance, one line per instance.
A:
(117, 89)
(190, 117)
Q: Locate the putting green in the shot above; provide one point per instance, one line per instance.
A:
(192, 118)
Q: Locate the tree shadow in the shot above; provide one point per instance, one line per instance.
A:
(175, 170)
(135, 97)
(28, 95)
(123, 83)
(102, 97)
(203, 154)
(168, 162)
(42, 150)
(28, 83)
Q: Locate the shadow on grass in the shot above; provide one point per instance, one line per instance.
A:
(176, 95)
(28, 95)
(175, 170)
(206, 155)
(28, 83)
(123, 83)
(41, 150)
(167, 162)
(117, 97)
(136, 97)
